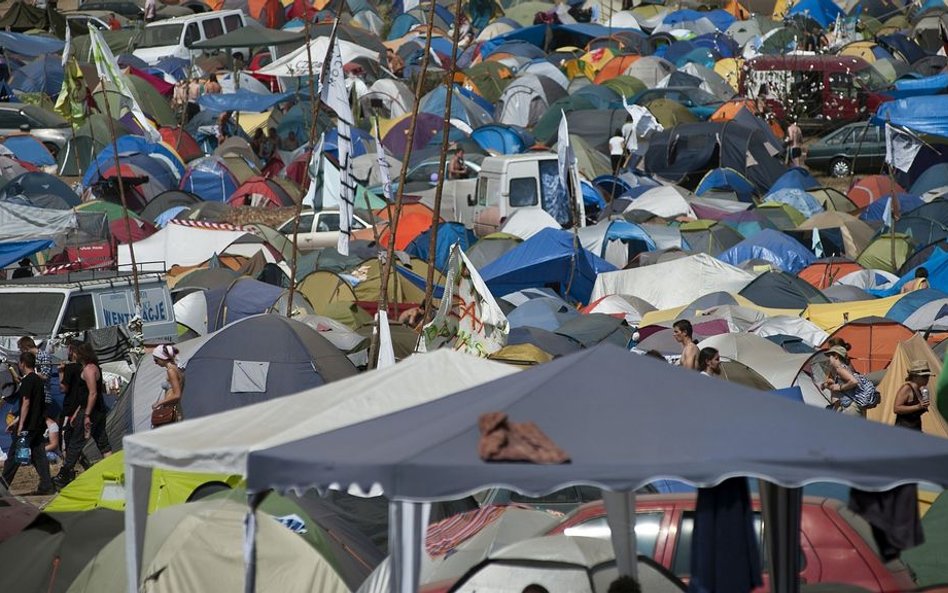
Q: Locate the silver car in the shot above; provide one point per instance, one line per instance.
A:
(50, 129)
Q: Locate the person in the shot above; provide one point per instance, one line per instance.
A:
(290, 142)
(270, 145)
(842, 382)
(212, 87)
(151, 10)
(194, 90)
(625, 584)
(225, 127)
(395, 62)
(458, 168)
(32, 420)
(88, 420)
(51, 438)
(239, 63)
(44, 364)
(256, 143)
(413, 318)
(179, 99)
(763, 95)
(70, 372)
(709, 362)
(920, 282)
(795, 143)
(165, 356)
(25, 269)
(535, 588)
(910, 404)
(683, 334)
(616, 150)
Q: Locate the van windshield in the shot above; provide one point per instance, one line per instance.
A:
(29, 314)
(870, 79)
(161, 35)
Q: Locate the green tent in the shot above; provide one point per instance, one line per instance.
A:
(74, 159)
(120, 42)
(22, 17)
(627, 86)
(547, 126)
(670, 113)
(111, 210)
(152, 103)
(525, 12)
(252, 37)
(783, 216)
(103, 486)
(878, 254)
(489, 79)
(929, 560)
(590, 162)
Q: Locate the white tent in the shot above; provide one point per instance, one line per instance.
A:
(526, 222)
(297, 63)
(788, 325)
(221, 442)
(675, 283)
(666, 201)
(182, 245)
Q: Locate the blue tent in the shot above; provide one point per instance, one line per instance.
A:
(401, 25)
(626, 184)
(822, 11)
(502, 139)
(243, 298)
(591, 195)
(29, 149)
(772, 246)
(462, 108)
(362, 142)
(725, 46)
(876, 210)
(937, 266)
(30, 45)
(449, 233)
(545, 259)
(36, 184)
(160, 174)
(797, 178)
(932, 178)
(900, 46)
(724, 179)
(543, 313)
(721, 19)
(243, 100)
(176, 67)
(159, 150)
(479, 100)
(210, 179)
(799, 199)
(913, 87)
(42, 75)
(702, 56)
(911, 302)
(924, 114)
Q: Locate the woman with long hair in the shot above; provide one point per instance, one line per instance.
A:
(842, 382)
(165, 356)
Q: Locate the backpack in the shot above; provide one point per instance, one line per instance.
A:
(865, 395)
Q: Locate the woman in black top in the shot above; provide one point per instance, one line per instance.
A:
(909, 404)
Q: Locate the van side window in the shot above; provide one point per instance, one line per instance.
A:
(482, 192)
(523, 192)
(191, 35)
(232, 22)
(212, 28)
(841, 85)
(79, 315)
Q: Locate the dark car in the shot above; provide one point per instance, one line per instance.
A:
(126, 8)
(699, 102)
(852, 148)
(836, 545)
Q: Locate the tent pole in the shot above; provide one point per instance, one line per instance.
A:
(445, 141)
(781, 511)
(386, 267)
(620, 515)
(407, 524)
(254, 499)
(138, 489)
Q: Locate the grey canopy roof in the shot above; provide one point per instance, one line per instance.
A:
(650, 419)
(251, 37)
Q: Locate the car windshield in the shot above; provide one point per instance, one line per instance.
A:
(161, 35)
(870, 79)
(40, 118)
(29, 314)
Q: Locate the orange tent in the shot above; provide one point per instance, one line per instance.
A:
(822, 273)
(415, 219)
(869, 189)
(873, 341)
(615, 67)
(729, 110)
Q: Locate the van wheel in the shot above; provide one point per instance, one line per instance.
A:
(841, 168)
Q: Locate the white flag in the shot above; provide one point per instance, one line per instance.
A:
(887, 213)
(313, 168)
(385, 173)
(68, 47)
(386, 351)
(564, 152)
(106, 66)
(901, 148)
(643, 125)
(468, 318)
(333, 94)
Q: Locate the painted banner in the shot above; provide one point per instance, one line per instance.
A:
(468, 318)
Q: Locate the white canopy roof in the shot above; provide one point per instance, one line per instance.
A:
(675, 283)
(221, 442)
(177, 244)
(297, 63)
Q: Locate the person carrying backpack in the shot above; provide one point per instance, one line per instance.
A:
(851, 393)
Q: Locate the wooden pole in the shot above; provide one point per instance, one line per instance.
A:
(445, 142)
(399, 198)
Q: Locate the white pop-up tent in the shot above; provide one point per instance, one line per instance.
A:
(183, 245)
(222, 442)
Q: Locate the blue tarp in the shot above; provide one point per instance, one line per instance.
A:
(773, 246)
(796, 178)
(925, 114)
(549, 258)
(932, 178)
(876, 210)
(13, 252)
(911, 302)
(449, 233)
(721, 19)
(914, 87)
(42, 75)
(536, 35)
(937, 266)
(727, 180)
(30, 45)
(797, 198)
(243, 100)
(822, 11)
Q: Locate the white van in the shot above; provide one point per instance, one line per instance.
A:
(174, 37)
(47, 306)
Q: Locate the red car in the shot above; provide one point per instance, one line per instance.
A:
(836, 545)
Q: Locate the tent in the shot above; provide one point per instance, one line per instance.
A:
(547, 258)
(525, 99)
(709, 236)
(674, 283)
(773, 246)
(398, 451)
(838, 233)
(912, 349)
(183, 245)
(238, 365)
(822, 273)
(210, 178)
(782, 290)
(873, 341)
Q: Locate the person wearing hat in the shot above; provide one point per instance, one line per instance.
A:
(25, 270)
(842, 382)
(165, 356)
(910, 403)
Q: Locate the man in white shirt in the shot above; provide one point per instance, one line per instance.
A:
(616, 150)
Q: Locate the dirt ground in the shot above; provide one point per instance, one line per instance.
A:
(26, 481)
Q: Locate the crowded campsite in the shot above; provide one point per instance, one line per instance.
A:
(494, 296)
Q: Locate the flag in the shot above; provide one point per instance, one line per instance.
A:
(564, 152)
(817, 243)
(643, 125)
(887, 217)
(333, 94)
(901, 148)
(313, 168)
(385, 174)
(386, 351)
(107, 67)
(68, 47)
(468, 318)
(72, 102)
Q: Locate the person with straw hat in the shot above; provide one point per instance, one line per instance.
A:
(842, 382)
(911, 400)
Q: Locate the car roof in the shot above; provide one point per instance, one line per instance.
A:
(827, 63)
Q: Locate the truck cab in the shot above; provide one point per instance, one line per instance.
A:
(520, 182)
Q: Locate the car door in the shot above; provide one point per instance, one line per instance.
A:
(10, 121)
(875, 140)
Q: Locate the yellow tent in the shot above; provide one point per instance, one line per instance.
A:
(251, 121)
(730, 71)
(915, 348)
(832, 316)
(860, 49)
(596, 60)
